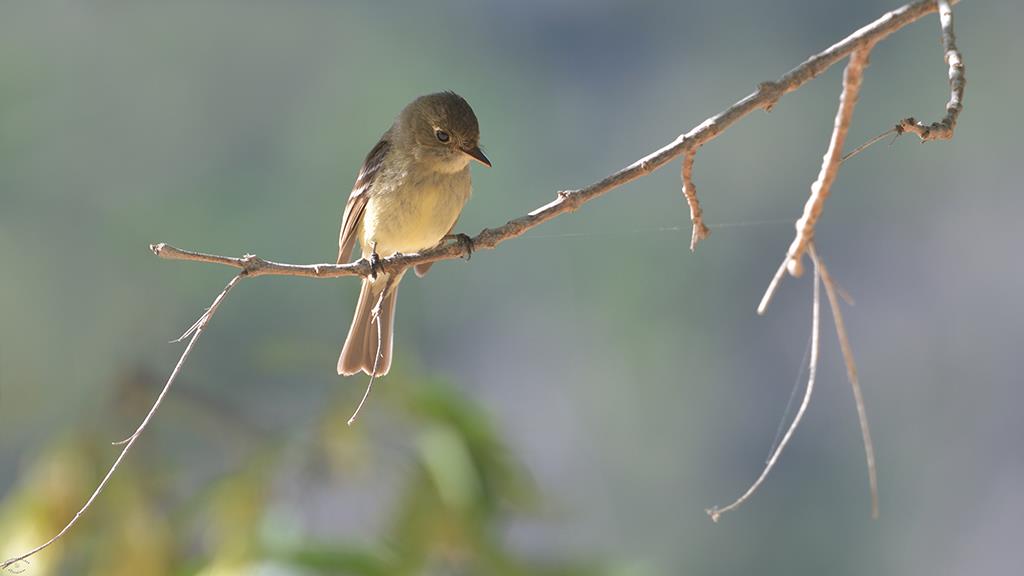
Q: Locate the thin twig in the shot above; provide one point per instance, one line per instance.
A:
(943, 129)
(867, 144)
(762, 306)
(851, 373)
(130, 441)
(376, 357)
(700, 231)
(764, 98)
(715, 513)
(822, 185)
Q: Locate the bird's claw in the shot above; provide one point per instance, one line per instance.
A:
(464, 241)
(374, 260)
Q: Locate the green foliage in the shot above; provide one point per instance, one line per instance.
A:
(462, 486)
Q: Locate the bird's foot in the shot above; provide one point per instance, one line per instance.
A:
(464, 241)
(374, 260)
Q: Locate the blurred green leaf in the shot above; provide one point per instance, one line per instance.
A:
(339, 560)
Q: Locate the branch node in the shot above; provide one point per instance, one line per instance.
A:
(570, 198)
(252, 264)
(795, 266)
(771, 91)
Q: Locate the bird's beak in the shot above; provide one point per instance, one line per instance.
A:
(477, 154)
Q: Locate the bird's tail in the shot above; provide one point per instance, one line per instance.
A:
(372, 329)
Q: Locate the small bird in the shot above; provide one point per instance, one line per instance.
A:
(407, 197)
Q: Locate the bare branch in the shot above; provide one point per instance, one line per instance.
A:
(715, 512)
(700, 231)
(822, 186)
(762, 306)
(130, 441)
(857, 46)
(764, 98)
(851, 373)
(943, 129)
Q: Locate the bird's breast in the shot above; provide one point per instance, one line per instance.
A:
(415, 214)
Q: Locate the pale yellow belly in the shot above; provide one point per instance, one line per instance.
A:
(413, 218)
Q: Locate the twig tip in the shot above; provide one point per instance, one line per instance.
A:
(795, 267)
(700, 232)
(713, 513)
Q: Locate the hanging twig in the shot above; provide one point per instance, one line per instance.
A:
(822, 186)
(851, 373)
(196, 331)
(700, 231)
(715, 512)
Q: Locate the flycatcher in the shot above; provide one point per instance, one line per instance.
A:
(407, 197)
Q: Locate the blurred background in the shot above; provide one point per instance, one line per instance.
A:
(567, 404)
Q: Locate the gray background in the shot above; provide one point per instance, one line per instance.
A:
(631, 378)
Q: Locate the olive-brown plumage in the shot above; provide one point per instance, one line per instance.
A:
(407, 197)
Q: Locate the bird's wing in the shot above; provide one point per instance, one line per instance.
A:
(356, 204)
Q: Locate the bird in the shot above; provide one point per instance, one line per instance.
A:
(407, 197)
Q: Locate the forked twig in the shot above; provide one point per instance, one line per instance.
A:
(851, 373)
(822, 185)
(943, 129)
(715, 512)
(196, 331)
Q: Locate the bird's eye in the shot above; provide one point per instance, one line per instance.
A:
(442, 135)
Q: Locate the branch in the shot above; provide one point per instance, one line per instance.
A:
(793, 263)
(764, 98)
(943, 129)
(822, 186)
(857, 46)
(821, 276)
